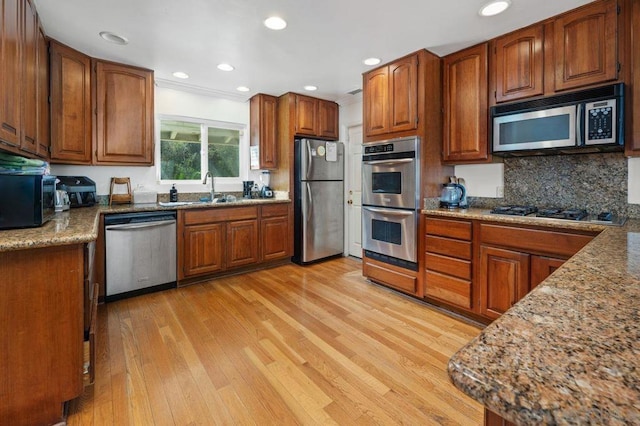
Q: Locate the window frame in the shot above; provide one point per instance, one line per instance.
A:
(223, 183)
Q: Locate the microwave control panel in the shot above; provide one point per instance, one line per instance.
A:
(600, 122)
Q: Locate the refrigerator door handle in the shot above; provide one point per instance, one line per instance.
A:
(309, 202)
(309, 158)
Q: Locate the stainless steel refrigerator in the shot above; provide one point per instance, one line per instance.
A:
(318, 200)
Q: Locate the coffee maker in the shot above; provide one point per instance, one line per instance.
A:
(247, 185)
(265, 179)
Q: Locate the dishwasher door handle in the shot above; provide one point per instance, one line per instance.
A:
(143, 225)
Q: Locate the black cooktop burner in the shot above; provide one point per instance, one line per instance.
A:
(515, 210)
(569, 214)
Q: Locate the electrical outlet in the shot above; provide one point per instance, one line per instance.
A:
(500, 191)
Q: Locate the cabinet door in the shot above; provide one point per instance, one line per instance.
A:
(44, 140)
(263, 123)
(203, 249)
(29, 115)
(328, 119)
(541, 268)
(242, 242)
(465, 105)
(124, 114)
(403, 89)
(585, 46)
(376, 102)
(273, 232)
(70, 105)
(306, 113)
(10, 73)
(519, 69)
(504, 279)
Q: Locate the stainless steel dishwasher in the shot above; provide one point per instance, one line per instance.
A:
(140, 253)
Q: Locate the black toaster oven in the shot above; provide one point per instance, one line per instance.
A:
(27, 200)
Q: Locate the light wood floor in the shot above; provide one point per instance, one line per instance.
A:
(289, 345)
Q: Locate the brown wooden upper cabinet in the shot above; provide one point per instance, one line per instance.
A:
(44, 114)
(70, 105)
(263, 113)
(465, 106)
(20, 70)
(124, 114)
(10, 74)
(316, 117)
(585, 45)
(390, 97)
(519, 64)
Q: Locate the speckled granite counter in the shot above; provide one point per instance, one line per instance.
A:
(569, 352)
(80, 225)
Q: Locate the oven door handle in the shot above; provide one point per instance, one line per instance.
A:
(390, 212)
(390, 162)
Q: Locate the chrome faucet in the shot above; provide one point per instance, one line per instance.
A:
(204, 182)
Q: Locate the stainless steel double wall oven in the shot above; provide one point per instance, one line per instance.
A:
(390, 201)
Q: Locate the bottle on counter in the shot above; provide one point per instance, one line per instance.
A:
(173, 194)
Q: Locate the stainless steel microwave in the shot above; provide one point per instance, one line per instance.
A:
(585, 121)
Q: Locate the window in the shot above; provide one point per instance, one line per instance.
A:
(191, 147)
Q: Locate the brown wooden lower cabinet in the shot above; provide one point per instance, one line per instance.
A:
(242, 243)
(504, 279)
(41, 351)
(212, 241)
(481, 268)
(492, 419)
(393, 276)
(542, 267)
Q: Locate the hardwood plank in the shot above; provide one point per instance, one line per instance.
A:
(289, 345)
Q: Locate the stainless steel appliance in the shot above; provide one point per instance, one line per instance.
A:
(318, 200)
(27, 200)
(140, 253)
(80, 189)
(454, 195)
(586, 121)
(390, 201)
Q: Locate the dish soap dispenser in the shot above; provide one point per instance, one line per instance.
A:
(173, 194)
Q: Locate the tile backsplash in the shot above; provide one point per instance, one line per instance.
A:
(595, 182)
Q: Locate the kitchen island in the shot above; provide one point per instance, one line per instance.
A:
(569, 351)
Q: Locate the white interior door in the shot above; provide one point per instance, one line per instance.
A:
(354, 191)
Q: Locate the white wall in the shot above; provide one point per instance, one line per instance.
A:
(482, 180)
(170, 102)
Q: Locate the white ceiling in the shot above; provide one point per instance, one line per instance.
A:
(323, 45)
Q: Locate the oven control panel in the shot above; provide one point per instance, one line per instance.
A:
(375, 149)
(600, 122)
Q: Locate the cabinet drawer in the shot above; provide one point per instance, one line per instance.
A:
(449, 289)
(275, 210)
(194, 217)
(449, 228)
(390, 277)
(448, 247)
(448, 265)
(533, 240)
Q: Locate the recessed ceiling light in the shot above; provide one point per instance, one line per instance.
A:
(494, 7)
(113, 38)
(225, 67)
(310, 88)
(180, 74)
(242, 89)
(371, 61)
(275, 23)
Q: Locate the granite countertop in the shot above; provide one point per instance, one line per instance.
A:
(80, 225)
(568, 352)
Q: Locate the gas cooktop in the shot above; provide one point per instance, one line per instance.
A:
(559, 213)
